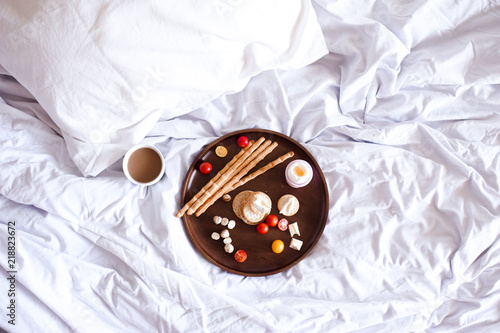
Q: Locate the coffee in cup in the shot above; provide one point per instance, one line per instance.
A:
(143, 165)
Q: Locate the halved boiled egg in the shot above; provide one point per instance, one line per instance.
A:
(298, 173)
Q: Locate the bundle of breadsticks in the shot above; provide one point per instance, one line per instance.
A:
(233, 175)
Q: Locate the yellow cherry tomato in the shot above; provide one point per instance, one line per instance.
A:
(278, 246)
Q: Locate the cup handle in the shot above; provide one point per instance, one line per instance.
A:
(143, 190)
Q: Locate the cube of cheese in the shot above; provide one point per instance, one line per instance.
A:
(294, 229)
(296, 244)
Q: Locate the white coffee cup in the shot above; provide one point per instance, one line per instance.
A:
(144, 166)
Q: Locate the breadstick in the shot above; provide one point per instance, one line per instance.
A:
(216, 177)
(260, 156)
(259, 172)
(244, 160)
(226, 176)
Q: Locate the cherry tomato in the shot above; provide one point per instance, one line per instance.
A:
(242, 141)
(278, 246)
(205, 168)
(240, 256)
(262, 228)
(272, 220)
(283, 224)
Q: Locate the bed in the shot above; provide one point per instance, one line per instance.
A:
(397, 101)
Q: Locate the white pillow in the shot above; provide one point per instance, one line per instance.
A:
(105, 70)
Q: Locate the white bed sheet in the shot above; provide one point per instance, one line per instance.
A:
(403, 118)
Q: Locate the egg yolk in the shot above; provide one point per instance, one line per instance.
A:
(298, 171)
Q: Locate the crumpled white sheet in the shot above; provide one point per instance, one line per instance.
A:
(105, 72)
(402, 116)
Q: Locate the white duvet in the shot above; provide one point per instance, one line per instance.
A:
(403, 118)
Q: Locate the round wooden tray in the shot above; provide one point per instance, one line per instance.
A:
(261, 261)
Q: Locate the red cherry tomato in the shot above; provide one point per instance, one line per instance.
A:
(242, 141)
(262, 228)
(205, 168)
(240, 256)
(283, 224)
(272, 220)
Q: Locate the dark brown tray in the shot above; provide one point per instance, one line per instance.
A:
(261, 261)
